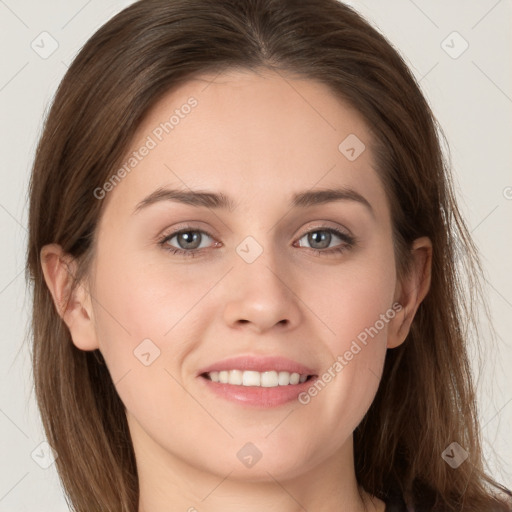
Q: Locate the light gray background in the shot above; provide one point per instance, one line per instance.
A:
(471, 95)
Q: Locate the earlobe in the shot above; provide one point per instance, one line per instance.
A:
(74, 307)
(411, 291)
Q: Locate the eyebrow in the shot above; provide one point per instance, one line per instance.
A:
(198, 198)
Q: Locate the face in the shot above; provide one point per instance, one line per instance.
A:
(179, 287)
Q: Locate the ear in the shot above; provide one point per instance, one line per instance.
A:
(75, 309)
(411, 290)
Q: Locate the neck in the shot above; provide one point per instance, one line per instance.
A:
(168, 483)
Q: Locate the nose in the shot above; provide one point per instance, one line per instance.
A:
(261, 297)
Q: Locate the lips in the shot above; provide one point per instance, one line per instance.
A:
(250, 381)
(258, 364)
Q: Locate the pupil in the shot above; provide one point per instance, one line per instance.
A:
(190, 238)
(325, 236)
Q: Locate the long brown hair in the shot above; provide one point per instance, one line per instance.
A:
(426, 398)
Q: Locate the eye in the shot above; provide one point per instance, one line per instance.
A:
(189, 241)
(319, 240)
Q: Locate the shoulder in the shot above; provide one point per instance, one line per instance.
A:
(424, 502)
(422, 498)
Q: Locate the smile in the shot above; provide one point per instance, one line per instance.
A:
(266, 379)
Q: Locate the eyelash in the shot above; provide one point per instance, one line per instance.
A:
(349, 242)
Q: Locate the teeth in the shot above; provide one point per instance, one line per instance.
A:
(251, 379)
(270, 379)
(236, 377)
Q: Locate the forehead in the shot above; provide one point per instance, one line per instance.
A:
(250, 133)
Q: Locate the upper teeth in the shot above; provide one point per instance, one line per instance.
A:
(268, 379)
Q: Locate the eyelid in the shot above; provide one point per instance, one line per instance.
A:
(190, 227)
(348, 239)
(164, 238)
(182, 227)
(341, 229)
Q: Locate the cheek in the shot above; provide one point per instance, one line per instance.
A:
(144, 333)
(351, 298)
(147, 307)
(128, 309)
(356, 309)
(134, 295)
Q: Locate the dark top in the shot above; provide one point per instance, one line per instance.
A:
(423, 498)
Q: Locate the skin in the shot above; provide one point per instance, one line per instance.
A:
(258, 138)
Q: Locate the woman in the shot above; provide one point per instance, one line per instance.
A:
(194, 349)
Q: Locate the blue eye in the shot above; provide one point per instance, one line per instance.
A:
(191, 239)
(188, 238)
(325, 238)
